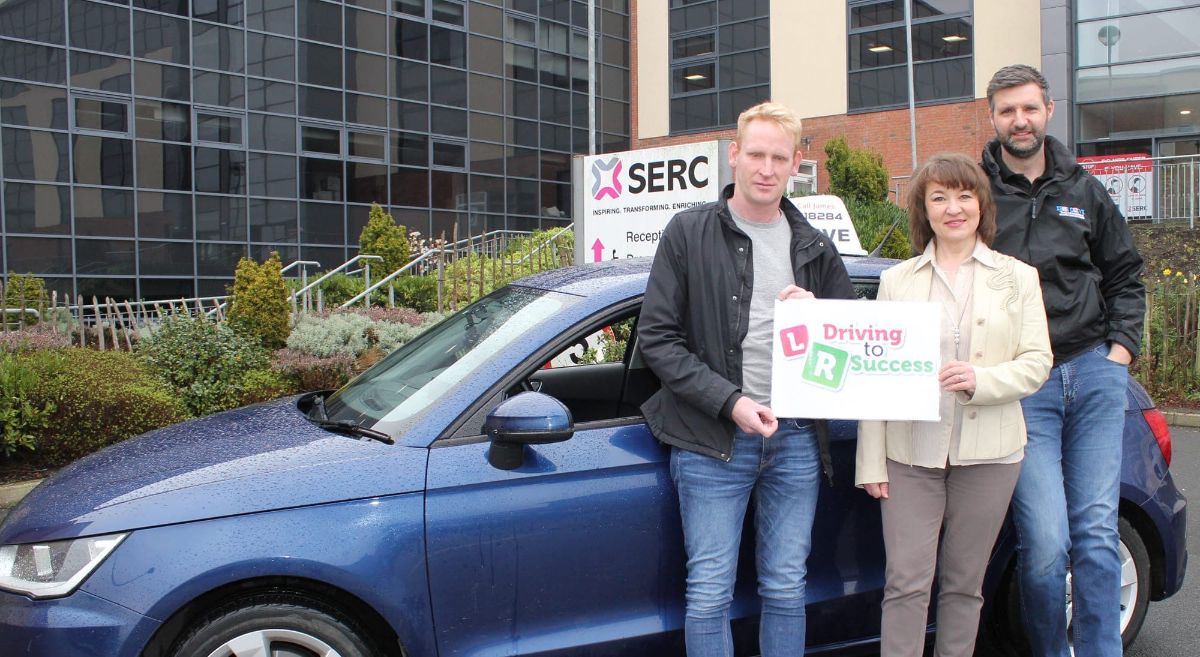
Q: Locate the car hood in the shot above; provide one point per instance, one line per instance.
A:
(258, 458)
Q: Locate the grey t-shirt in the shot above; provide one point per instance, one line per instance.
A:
(771, 243)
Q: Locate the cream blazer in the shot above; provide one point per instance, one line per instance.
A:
(1010, 351)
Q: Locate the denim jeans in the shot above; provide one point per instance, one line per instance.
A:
(1065, 507)
(783, 473)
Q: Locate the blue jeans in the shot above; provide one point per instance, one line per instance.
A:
(1065, 507)
(783, 473)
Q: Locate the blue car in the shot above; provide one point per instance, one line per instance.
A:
(488, 489)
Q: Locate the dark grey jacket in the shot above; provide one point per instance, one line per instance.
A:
(1067, 226)
(696, 314)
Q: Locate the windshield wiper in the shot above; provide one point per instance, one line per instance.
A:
(351, 427)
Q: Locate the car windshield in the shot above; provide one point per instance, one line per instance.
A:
(413, 377)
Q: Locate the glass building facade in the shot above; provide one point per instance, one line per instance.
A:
(1137, 77)
(148, 145)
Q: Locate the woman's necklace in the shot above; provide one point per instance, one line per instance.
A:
(964, 305)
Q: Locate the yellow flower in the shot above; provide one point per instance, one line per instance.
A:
(1167, 271)
(1179, 273)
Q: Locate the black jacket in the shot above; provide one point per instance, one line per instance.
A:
(1066, 226)
(696, 314)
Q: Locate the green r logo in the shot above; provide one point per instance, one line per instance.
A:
(826, 366)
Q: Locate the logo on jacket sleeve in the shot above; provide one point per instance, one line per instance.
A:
(1068, 212)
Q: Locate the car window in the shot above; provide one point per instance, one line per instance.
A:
(606, 345)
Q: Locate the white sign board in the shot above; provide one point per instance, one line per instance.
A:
(629, 197)
(829, 215)
(1128, 179)
(865, 360)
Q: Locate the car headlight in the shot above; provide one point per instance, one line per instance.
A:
(53, 569)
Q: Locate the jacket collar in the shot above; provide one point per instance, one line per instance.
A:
(982, 254)
(800, 227)
(1060, 163)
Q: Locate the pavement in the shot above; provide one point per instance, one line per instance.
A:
(10, 494)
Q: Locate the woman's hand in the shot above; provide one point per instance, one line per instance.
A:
(957, 376)
(877, 490)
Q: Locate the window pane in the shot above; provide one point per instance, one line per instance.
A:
(217, 260)
(96, 26)
(275, 97)
(320, 179)
(177, 7)
(165, 259)
(684, 19)
(366, 31)
(220, 171)
(487, 94)
(164, 166)
(942, 40)
(270, 56)
(696, 77)
(486, 55)
(95, 114)
(487, 20)
(410, 186)
(320, 65)
(487, 158)
(447, 47)
(449, 122)
(879, 48)
(487, 126)
(366, 182)
(320, 21)
(272, 133)
(487, 194)
(448, 11)
(878, 87)
(449, 190)
(100, 72)
(219, 89)
(413, 7)
(35, 155)
(693, 46)
(367, 73)
(152, 289)
(33, 21)
(522, 162)
(447, 154)
(522, 133)
(943, 79)
(103, 161)
(733, 103)
(220, 11)
(272, 175)
(1085, 10)
(1164, 34)
(410, 149)
(167, 121)
(271, 15)
(1158, 78)
(28, 61)
(162, 38)
(220, 218)
(322, 223)
(103, 212)
(523, 100)
(411, 39)
(366, 145)
(694, 112)
(557, 137)
(410, 79)
(167, 216)
(447, 86)
(1127, 118)
(40, 209)
(367, 110)
(410, 116)
(320, 103)
(273, 221)
(33, 105)
(320, 140)
(104, 257)
(521, 62)
(522, 196)
(736, 10)
(745, 36)
(879, 13)
(219, 128)
(39, 256)
(217, 47)
(745, 69)
(160, 81)
(926, 8)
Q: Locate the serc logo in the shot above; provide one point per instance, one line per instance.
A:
(613, 170)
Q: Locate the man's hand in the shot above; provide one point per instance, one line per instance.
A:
(753, 417)
(877, 490)
(794, 291)
(1119, 354)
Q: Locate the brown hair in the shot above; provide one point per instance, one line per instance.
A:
(1017, 75)
(776, 113)
(956, 171)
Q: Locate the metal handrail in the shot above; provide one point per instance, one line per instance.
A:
(549, 241)
(336, 270)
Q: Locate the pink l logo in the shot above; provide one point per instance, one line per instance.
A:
(794, 341)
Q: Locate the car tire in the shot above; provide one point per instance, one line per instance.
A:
(1135, 594)
(275, 625)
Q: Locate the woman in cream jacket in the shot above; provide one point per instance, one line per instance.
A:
(957, 473)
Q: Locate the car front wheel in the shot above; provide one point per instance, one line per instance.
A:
(275, 626)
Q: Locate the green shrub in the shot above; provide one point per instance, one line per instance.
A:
(24, 291)
(382, 237)
(416, 292)
(339, 289)
(259, 306)
(855, 174)
(265, 384)
(203, 362)
(99, 398)
(871, 222)
(351, 333)
(20, 417)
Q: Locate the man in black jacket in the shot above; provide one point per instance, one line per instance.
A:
(1055, 216)
(705, 331)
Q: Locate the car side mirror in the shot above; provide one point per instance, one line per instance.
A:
(530, 418)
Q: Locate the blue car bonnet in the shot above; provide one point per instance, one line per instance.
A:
(248, 460)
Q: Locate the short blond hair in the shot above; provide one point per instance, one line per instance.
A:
(777, 113)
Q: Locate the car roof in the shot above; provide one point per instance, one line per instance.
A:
(607, 277)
